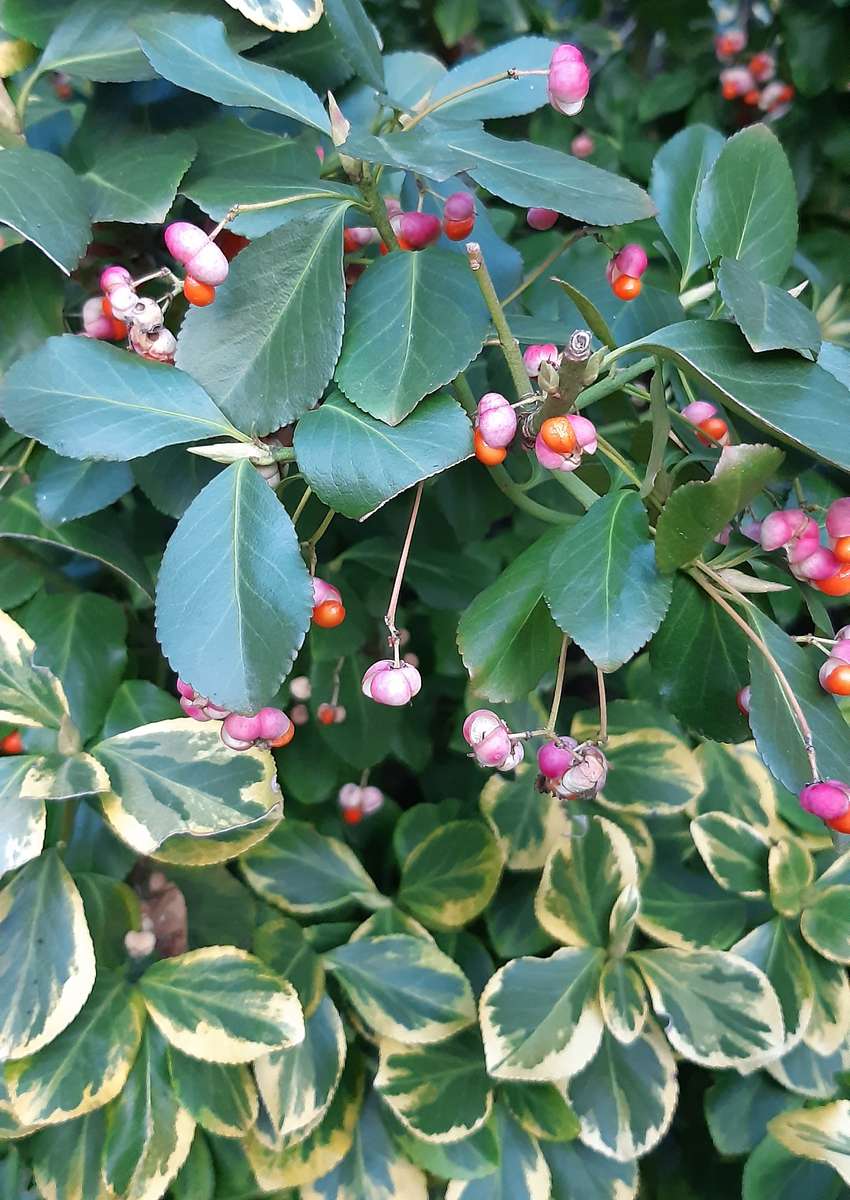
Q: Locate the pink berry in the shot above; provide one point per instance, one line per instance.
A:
(838, 518)
(553, 759)
(417, 229)
(393, 206)
(460, 206)
(371, 799)
(272, 723)
(820, 564)
(730, 43)
(536, 355)
(478, 724)
(185, 689)
(192, 710)
(96, 324)
(698, 411)
(743, 699)
(323, 591)
(349, 795)
(184, 240)
(582, 145)
(585, 432)
(781, 527)
(208, 265)
(552, 460)
(215, 713)
(569, 80)
(566, 52)
(804, 543)
(841, 649)
(299, 714)
(827, 800)
(736, 81)
(496, 420)
(386, 683)
(233, 743)
(631, 260)
(112, 276)
(541, 218)
(244, 729)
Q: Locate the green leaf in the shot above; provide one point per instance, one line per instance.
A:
(522, 1173)
(403, 987)
(777, 736)
(99, 538)
(829, 1025)
(824, 923)
(414, 321)
(791, 870)
(582, 880)
(603, 587)
(451, 877)
(511, 922)
(221, 1098)
(476, 1155)
(286, 16)
(718, 1009)
(222, 1004)
(47, 956)
(281, 944)
(505, 98)
(64, 777)
(355, 463)
(441, 1092)
(797, 401)
(678, 170)
(579, 1173)
(738, 1108)
(86, 399)
(699, 662)
(112, 909)
(300, 871)
(43, 200)
(622, 998)
(591, 314)
(178, 777)
(541, 1110)
(697, 511)
(506, 637)
(737, 781)
(24, 822)
(233, 563)
(148, 1133)
(87, 1065)
(298, 1083)
(769, 318)
(135, 179)
(171, 478)
(651, 768)
(81, 638)
(194, 53)
(539, 1016)
(67, 488)
(747, 205)
(357, 40)
(138, 702)
(29, 694)
(626, 1096)
(821, 1134)
(373, 1169)
(774, 1173)
(278, 316)
(735, 854)
(196, 1178)
(774, 949)
(527, 823)
(66, 1161)
(667, 93)
(31, 296)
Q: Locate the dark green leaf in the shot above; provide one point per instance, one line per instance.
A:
(738, 1108)
(506, 98)
(357, 40)
(171, 478)
(31, 295)
(774, 1173)
(42, 199)
(591, 314)
(138, 702)
(579, 1173)
(667, 92)
(769, 318)
(136, 179)
(67, 488)
(678, 170)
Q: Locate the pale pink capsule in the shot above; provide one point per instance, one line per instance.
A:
(743, 699)
(299, 714)
(300, 688)
(826, 670)
(496, 421)
(698, 411)
(751, 529)
(123, 299)
(245, 729)
(371, 799)
(159, 346)
(631, 260)
(534, 357)
(805, 542)
(552, 460)
(233, 743)
(386, 683)
(192, 710)
(208, 265)
(828, 800)
(569, 80)
(185, 689)
(514, 758)
(95, 322)
(566, 52)
(541, 219)
(781, 527)
(349, 795)
(585, 432)
(582, 145)
(272, 723)
(112, 276)
(215, 713)
(820, 564)
(460, 206)
(417, 229)
(838, 518)
(184, 240)
(553, 759)
(493, 749)
(323, 591)
(480, 723)
(146, 315)
(841, 649)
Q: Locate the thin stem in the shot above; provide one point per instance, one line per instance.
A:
(559, 686)
(389, 618)
(500, 77)
(603, 708)
(700, 574)
(515, 494)
(616, 457)
(25, 93)
(693, 296)
(613, 382)
(577, 488)
(302, 504)
(544, 265)
(322, 529)
(378, 209)
(509, 344)
(8, 472)
(237, 209)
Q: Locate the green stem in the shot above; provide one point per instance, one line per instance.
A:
(378, 209)
(613, 382)
(302, 504)
(612, 453)
(559, 686)
(509, 344)
(25, 94)
(693, 296)
(314, 539)
(577, 488)
(500, 77)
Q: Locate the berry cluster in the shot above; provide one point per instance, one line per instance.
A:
(753, 82)
(416, 230)
(827, 568)
(270, 727)
(206, 265)
(625, 269)
(121, 312)
(712, 429)
(357, 802)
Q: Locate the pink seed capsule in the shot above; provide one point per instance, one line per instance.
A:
(146, 315)
(841, 649)
(831, 664)
(272, 723)
(698, 411)
(417, 229)
(123, 299)
(587, 775)
(820, 564)
(478, 724)
(184, 240)
(460, 206)
(514, 758)
(582, 145)
(541, 218)
(743, 699)
(233, 743)
(185, 689)
(244, 729)
(569, 80)
(535, 356)
(828, 800)
(631, 260)
(386, 683)
(751, 529)
(208, 265)
(215, 713)
(371, 799)
(323, 591)
(493, 749)
(838, 518)
(159, 346)
(95, 322)
(553, 759)
(552, 460)
(192, 710)
(299, 714)
(300, 688)
(585, 432)
(781, 527)
(349, 796)
(113, 276)
(496, 420)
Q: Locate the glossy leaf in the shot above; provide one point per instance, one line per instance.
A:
(85, 399)
(439, 1092)
(67, 1160)
(579, 1173)
(822, 1134)
(450, 878)
(747, 206)
(23, 822)
(603, 588)
(286, 16)
(769, 318)
(29, 693)
(791, 870)
(233, 563)
(773, 1172)
(522, 1173)
(47, 956)
(43, 200)
(278, 316)
(138, 702)
(738, 1108)
(507, 98)
(527, 823)
(622, 998)
(299, 1082)
(135, 180)
(824, 923)
(542, 1110)
(31, 296)
(67, 488)
(194, 53)
(357, 40)
(282, 945)
(735, 854)
(774, 949)
(678, 170)
(222, 1098)
(355, 463)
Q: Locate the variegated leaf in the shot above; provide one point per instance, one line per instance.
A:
(184, 850)
(822, 1134)
(738, 1107)
(541, 1109)
(404, 988)
(825, 923)
(581, 882)
(178, 777)
(66, 1161)
(540, 1018)
(790, 870)
(579, 1173)
(87, 1065)
(451, 876)
(64, 777)
(734, 852)
(29, 695)
(283, 16)
(22, 822)
(622, 998)
(440, 1092)
(298, 1084)
(626, 1096)
(527, 823)
(222, 1004)
(829, 1024)
(775, 950)
(148, 1133)
(475, 1156)
(807, 1073)
(718, 1009)
(652, 769)
(301, 871)
(373, 1169)
(737, 782)
(47, 963)
(522, 1173)
(282, 945)
(222, 1098)
(685, 908)
(112, 910)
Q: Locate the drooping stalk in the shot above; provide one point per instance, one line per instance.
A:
(389, 617)
(559, 687)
